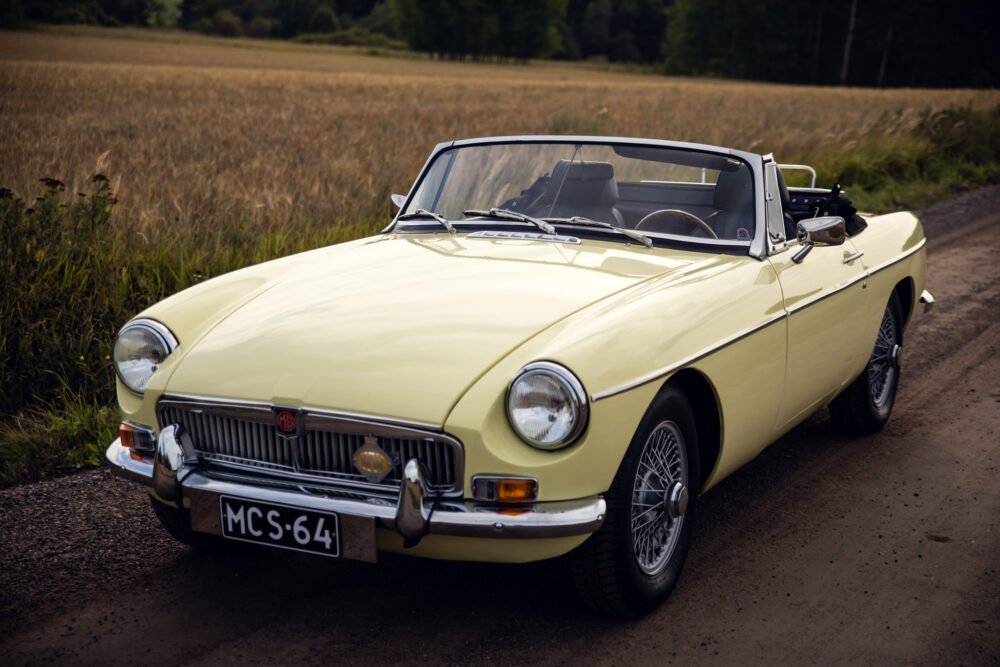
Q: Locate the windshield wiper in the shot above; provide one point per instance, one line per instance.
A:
(507, 214)
(580, 221)
(424, 213)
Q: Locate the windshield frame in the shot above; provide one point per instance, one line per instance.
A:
(756, 248)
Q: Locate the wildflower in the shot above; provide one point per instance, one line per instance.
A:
(81, 357)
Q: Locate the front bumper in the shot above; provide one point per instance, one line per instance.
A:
(173, 477)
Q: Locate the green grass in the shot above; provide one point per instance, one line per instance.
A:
(72, 271)
(949, 151)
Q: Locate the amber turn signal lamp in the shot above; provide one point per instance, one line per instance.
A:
(516, 490)
(137, 438)
(127, 435)
(504, 489)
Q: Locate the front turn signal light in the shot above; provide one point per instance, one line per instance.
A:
(498, 489)
(136, 438)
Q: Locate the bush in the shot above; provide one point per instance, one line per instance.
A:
(324, 20)
(57, 295)
(262, 27)
(227, 24)
(355, 36)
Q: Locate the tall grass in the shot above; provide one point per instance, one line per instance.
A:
(170, 172)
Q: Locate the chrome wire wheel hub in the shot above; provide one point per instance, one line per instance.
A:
(659, 498)
(883, 370)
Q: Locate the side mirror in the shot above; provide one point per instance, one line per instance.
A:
(825, 231)
(398, 200)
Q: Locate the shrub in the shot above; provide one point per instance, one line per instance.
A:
(227, 24)
(324, 20)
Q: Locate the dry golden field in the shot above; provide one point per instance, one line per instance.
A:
(196, 131)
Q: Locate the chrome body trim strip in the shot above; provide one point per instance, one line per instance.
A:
(462, 519)
(663, 372)
(651, 377)
(826, 295)
(885, 265)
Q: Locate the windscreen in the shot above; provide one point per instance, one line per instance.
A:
(651, 189)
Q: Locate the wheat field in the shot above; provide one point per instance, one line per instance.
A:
(195, 132)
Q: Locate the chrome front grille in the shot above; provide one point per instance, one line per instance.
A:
(245, 437)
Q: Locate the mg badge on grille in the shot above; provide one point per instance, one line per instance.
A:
(372, 461)
(286, 422)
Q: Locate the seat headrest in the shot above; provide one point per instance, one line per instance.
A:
(585, 183)
(733, 191)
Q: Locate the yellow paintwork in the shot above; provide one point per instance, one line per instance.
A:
(431, 328)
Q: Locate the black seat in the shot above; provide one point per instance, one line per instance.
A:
(586, 189)
(734, 206)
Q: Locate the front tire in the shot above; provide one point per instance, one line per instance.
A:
(631, 565)
(864, 407)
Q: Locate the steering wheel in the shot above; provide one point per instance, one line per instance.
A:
(669, 215)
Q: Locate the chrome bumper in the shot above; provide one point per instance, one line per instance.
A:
(173, 477)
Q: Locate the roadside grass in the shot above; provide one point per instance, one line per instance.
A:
(165, 172)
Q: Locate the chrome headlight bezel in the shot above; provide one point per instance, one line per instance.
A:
(575, 396)
(157, 336)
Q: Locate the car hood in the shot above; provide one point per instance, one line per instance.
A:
(399, 325)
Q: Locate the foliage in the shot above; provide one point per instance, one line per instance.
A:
(480, 29)
(163, 13)
(227, 24)
(324, 20)
(353, 36)
(40, 442)
(906, 43)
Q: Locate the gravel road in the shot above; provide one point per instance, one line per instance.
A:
(823, 550)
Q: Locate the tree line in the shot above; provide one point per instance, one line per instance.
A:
(916, 43)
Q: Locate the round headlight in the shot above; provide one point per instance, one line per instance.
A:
(547, 406)
(140, 348)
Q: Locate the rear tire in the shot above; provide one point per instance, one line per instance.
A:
(864, 407)
(631, 565)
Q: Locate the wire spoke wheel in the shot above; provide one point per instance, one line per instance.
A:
(659, 498)
(882, 368)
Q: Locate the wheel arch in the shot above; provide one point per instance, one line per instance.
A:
(907, 298)
(707, 415)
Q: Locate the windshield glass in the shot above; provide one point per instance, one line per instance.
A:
(652, 189)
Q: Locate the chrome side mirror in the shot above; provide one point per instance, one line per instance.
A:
(398, 200)
(825, 231)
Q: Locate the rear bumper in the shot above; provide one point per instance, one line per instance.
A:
(413, 515)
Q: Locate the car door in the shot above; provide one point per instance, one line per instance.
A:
(825, 297)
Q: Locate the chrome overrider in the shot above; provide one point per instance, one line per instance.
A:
(173, 476)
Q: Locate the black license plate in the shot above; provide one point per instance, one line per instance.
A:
(280, 526)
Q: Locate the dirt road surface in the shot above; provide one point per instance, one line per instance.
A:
(881, 550)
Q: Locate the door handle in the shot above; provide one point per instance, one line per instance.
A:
(851, 258)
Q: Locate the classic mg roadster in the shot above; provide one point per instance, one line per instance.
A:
(557, 345)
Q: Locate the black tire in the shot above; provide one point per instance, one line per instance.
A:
(607, 572)
(864, 407)
(177, 522)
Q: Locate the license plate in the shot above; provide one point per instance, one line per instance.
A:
(280, 526)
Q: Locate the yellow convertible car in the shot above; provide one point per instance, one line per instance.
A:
(555, 347)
